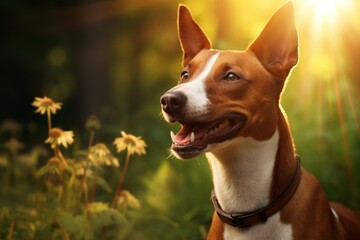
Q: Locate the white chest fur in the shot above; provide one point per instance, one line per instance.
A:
(242, 173)
(273, 229)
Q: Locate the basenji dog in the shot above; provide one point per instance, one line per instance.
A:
(228, 105)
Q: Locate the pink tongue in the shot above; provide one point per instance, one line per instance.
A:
(183, 136)
(181, 139)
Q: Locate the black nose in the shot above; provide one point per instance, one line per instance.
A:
(172, 101)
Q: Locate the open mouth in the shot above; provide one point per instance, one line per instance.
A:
(194, 137)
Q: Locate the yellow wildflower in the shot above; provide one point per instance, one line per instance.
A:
(93, 123)
(131, 143)
(126, 199)
(80, 168)
(46, 104)
(13, 145)
(53, 167)
(101, 155)
(59, 137)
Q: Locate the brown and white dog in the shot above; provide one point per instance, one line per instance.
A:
(227, 103)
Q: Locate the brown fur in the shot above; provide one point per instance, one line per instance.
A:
(216, 229)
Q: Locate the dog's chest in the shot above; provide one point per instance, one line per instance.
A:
(273, 229)
(244, 185)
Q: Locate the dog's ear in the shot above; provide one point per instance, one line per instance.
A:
(192, 38)
(277, 45)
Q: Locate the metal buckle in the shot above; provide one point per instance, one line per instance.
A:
(238, 219)
(238, 222)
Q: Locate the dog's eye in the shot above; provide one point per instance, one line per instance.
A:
(230, 76)
(184, 76)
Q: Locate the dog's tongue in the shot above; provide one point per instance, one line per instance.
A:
(198, 130)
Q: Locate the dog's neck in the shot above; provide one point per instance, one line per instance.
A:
(245, 170)
(242, 173)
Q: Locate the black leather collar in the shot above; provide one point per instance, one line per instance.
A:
(248, 219)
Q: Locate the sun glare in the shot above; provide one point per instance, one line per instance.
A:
(329, 86)
(327, 10)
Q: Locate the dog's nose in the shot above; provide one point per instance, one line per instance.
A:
(172, 101)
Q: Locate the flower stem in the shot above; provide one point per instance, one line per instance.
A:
(91, 138)
(93, 188)
(11, 230)
(82, 185)
(121, 181)
(49, 119)
(60, 156)
(60, 194)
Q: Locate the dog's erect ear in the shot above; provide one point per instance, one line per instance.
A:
(192, 38)
(277, 45)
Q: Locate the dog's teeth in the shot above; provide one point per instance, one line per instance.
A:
(192, 137)
(221, 125)
(172, 135)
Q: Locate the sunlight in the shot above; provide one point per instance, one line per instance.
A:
(329, 89)
(327, 10)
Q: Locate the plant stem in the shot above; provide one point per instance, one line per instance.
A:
(59, 155)
(65, 235)
(11, 230)
(91, 137)
(49, 119)
(121, 181)
(93, 188)
(63, 189)
(60, 194)
(82, 185)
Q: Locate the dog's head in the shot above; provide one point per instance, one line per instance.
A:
(222, 95)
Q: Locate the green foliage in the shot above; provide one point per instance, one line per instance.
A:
(91, 223)
(76, 226)
(101, 182)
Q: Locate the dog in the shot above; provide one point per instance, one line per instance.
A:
(228, 105)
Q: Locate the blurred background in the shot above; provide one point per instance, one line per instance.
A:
(115, 58)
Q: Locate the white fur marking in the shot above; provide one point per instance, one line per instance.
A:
(334, 213)
(272, 229)
(195, 89)
(242, 172)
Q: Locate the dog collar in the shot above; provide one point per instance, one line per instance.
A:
(249, 219)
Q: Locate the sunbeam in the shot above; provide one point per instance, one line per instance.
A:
(329, 84)
(327, 10)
